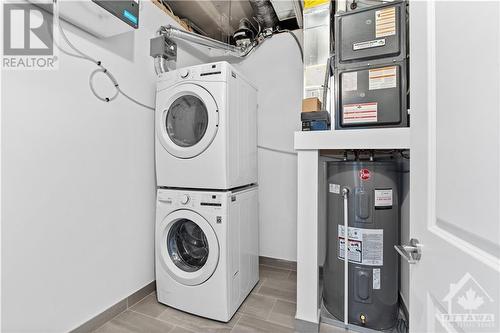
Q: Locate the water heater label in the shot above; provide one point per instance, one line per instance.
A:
(383, 198)
(359, 113)
(334, 188)
(365, 246)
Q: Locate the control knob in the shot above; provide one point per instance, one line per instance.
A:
(184, 199)
(184, 73)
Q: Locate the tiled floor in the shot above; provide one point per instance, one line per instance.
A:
(269, 308)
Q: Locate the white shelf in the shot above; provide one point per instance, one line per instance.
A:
(376, 138)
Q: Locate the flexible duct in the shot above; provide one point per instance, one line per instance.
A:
(264, 13)
(161, 65)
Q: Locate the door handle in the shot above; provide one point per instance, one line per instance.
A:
(411, 253)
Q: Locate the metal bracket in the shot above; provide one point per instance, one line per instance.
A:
(411, 253)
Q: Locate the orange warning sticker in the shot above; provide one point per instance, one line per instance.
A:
(385, 22)
(382, 78)
(359, 113)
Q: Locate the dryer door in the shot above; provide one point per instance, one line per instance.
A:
(187, 122)
(189, 249)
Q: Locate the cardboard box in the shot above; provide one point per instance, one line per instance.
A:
(312, 104)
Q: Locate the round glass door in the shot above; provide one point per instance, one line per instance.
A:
(187, 120)
(188, 247)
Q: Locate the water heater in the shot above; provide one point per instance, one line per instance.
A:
(373, 230)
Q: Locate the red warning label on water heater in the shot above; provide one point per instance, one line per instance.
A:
(364, 174)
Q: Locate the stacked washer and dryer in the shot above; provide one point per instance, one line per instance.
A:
(207, 209)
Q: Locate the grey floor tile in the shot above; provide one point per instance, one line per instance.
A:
(278, 263)
(257, 286)
(102, 318)
(149, 306)
(140, 294)
(178, 329)
(269, 308)
(112, 327)
(325, 328)
(258, 306)
(130, 321)
(292, 276)
(273, 272)
(283, 313)
(196, 323)
(283, 284)
(287, 295)
(248, 324)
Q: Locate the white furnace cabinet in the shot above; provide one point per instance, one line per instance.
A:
(454, 182)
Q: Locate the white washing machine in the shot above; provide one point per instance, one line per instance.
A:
(206, 250)
(206, 128)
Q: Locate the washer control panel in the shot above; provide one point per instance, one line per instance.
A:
(192, 200)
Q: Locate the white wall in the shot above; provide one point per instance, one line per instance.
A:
(78, 184)
(276, 68)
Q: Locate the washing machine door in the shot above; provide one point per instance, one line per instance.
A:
(189, 249)
(188, 120)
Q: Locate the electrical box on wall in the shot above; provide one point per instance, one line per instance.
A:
(101, 19)
(371, 34)
(125, 10)
(371, 96)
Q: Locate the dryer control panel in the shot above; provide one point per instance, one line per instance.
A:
(191, 199)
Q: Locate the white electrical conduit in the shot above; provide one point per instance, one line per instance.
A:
(345, 194)
(79, 54)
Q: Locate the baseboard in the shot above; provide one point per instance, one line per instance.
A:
(115, 309)
(278, 263)
(302, 326)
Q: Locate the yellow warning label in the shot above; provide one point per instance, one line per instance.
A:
(314, 3)
(385, 22)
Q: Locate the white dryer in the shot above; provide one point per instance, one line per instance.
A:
(206, 250)
(206, 128)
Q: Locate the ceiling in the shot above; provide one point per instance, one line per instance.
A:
(217, 18)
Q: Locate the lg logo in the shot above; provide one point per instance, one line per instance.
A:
(28, 30)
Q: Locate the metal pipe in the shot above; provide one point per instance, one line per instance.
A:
(175, 33)
(265, 13)
(345, 194)
(161, 65)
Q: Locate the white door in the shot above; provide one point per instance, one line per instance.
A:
(455, 107)
(187, 120)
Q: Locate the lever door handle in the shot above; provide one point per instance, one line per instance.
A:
(411, 253)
